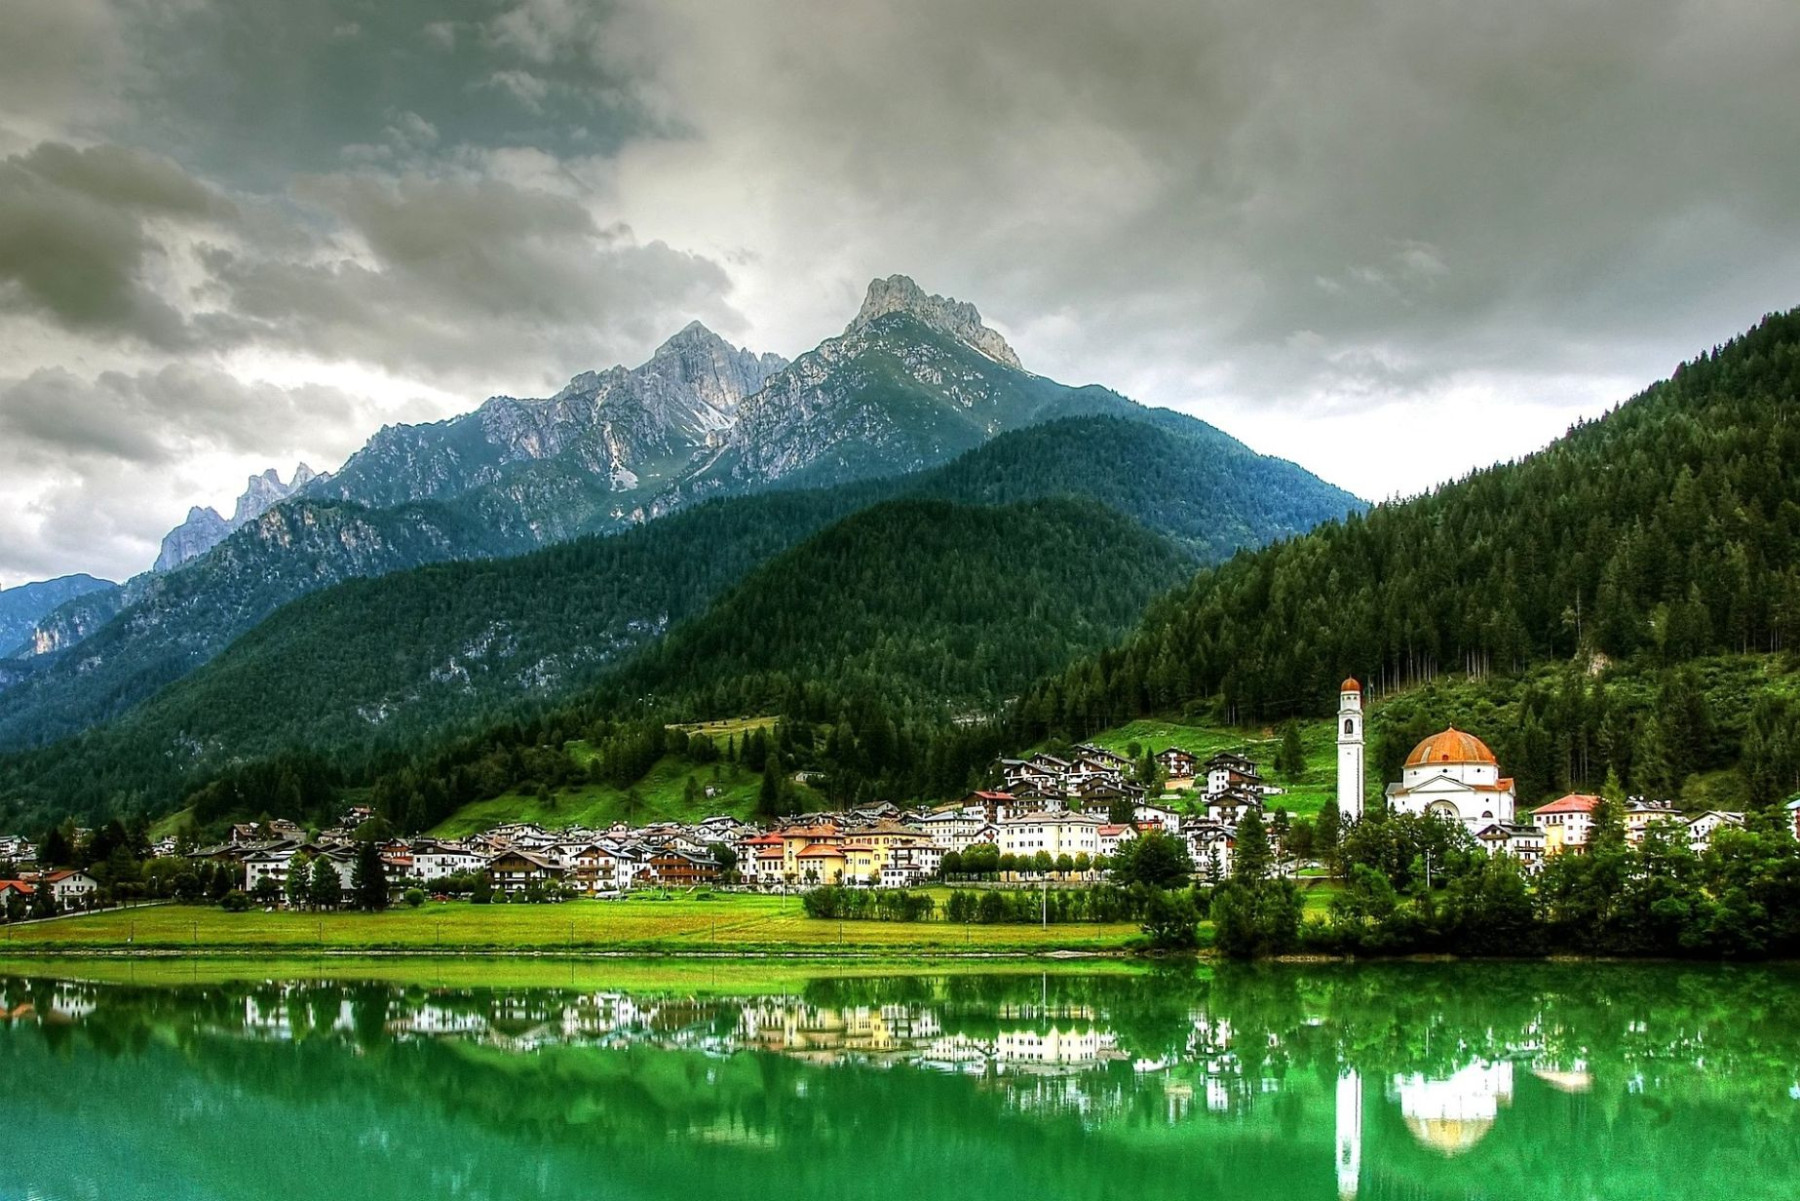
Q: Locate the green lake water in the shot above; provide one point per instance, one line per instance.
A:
(1401, 1081)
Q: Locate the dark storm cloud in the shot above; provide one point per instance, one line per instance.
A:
(254, 90)
(1332, 227)
(75, 239)
(435, 274)
(150, 419)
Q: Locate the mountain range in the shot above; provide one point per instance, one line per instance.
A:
(914, 380)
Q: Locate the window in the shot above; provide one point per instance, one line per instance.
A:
(1349, 725)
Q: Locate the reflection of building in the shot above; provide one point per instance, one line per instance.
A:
(1349, 1132)
(1453, 1115)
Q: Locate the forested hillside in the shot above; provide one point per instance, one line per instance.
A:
(917, 601)
(383, 666)
(1668, 529)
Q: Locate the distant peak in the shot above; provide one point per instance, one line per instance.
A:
(957, 318)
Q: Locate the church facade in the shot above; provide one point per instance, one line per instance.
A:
(1454, 775)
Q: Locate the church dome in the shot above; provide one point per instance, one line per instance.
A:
(1350, 685)
(1452, 746)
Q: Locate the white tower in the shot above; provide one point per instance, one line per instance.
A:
(1349, 1132)
(1350, 750)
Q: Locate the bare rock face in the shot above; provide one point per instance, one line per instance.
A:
(205, 529)
(956, 318)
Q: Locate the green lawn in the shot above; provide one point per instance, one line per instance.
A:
(728, 924)
(722, 732)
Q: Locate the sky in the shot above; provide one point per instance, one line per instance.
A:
(1392, 240)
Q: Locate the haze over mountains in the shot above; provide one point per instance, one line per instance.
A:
(914, 381)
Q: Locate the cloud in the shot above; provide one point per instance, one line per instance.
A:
(451, 275)
(94, 471)
(78, 240)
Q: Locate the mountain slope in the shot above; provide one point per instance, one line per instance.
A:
(917, 599)
(1666, 530)
(21, 608)
(914, 380)
(205, 529)
(382, 664)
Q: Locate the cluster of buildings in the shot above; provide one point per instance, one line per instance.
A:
(1454, 775)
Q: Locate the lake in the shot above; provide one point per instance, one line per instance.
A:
(473, 1081)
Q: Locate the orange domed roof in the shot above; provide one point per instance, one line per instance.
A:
(1452, 746)
(1350, 685)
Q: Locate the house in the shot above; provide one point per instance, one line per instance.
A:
(910, 866)
(820, 863)
(270, 863)
(1702, 827)
(1111, 837)
(23, 889)
(1168, 819)
(436, 860)
(1566, 823)
(795, 839)
(514, 871)
(72, 890)
(1640, 815)
(592, 870)
(1793, 812)
(1524, 843)
(1227, 770)
(683, 869)
(1178, 767)
(1228, 806)
(1055, 833)
(1213, 849)
(761, 859)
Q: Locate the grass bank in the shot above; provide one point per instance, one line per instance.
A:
(726, 925)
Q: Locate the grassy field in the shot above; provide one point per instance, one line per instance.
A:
(722, 732)
(662, 795)
(727, 925)
(1303, 797)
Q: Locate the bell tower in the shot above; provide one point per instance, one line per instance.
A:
(1350, 784)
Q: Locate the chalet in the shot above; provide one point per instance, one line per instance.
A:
(70, 888)
(1179, 767)
(1566, 823)
(1524, 843)
(683, 869)
(1101, 755)
(1228, 806)
(1168, 819)
(514, 871)
(1228, 770)
(19, 888)
(1702, 827)
(270, 863)
(1213, 848)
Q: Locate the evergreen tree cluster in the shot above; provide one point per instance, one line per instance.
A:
(1667, 530)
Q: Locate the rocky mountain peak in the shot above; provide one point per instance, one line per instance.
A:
(956, 318)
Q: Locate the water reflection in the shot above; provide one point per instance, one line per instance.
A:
(1374, 1082)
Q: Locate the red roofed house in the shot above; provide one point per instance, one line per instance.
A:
(72, 890)
(1566, 823)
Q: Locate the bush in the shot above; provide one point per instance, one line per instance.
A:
(235, 901)
(414, 897)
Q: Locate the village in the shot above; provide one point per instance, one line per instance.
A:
(1051, 820)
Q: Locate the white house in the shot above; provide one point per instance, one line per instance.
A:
(1702, 827)
(1112, 837)
(1566, 823)
(1058, 833)
(71, 889)
(271, 863)
(1452, 775)
(435, 860)
(1168, 819)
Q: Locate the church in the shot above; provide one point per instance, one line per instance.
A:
(1452, 774)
